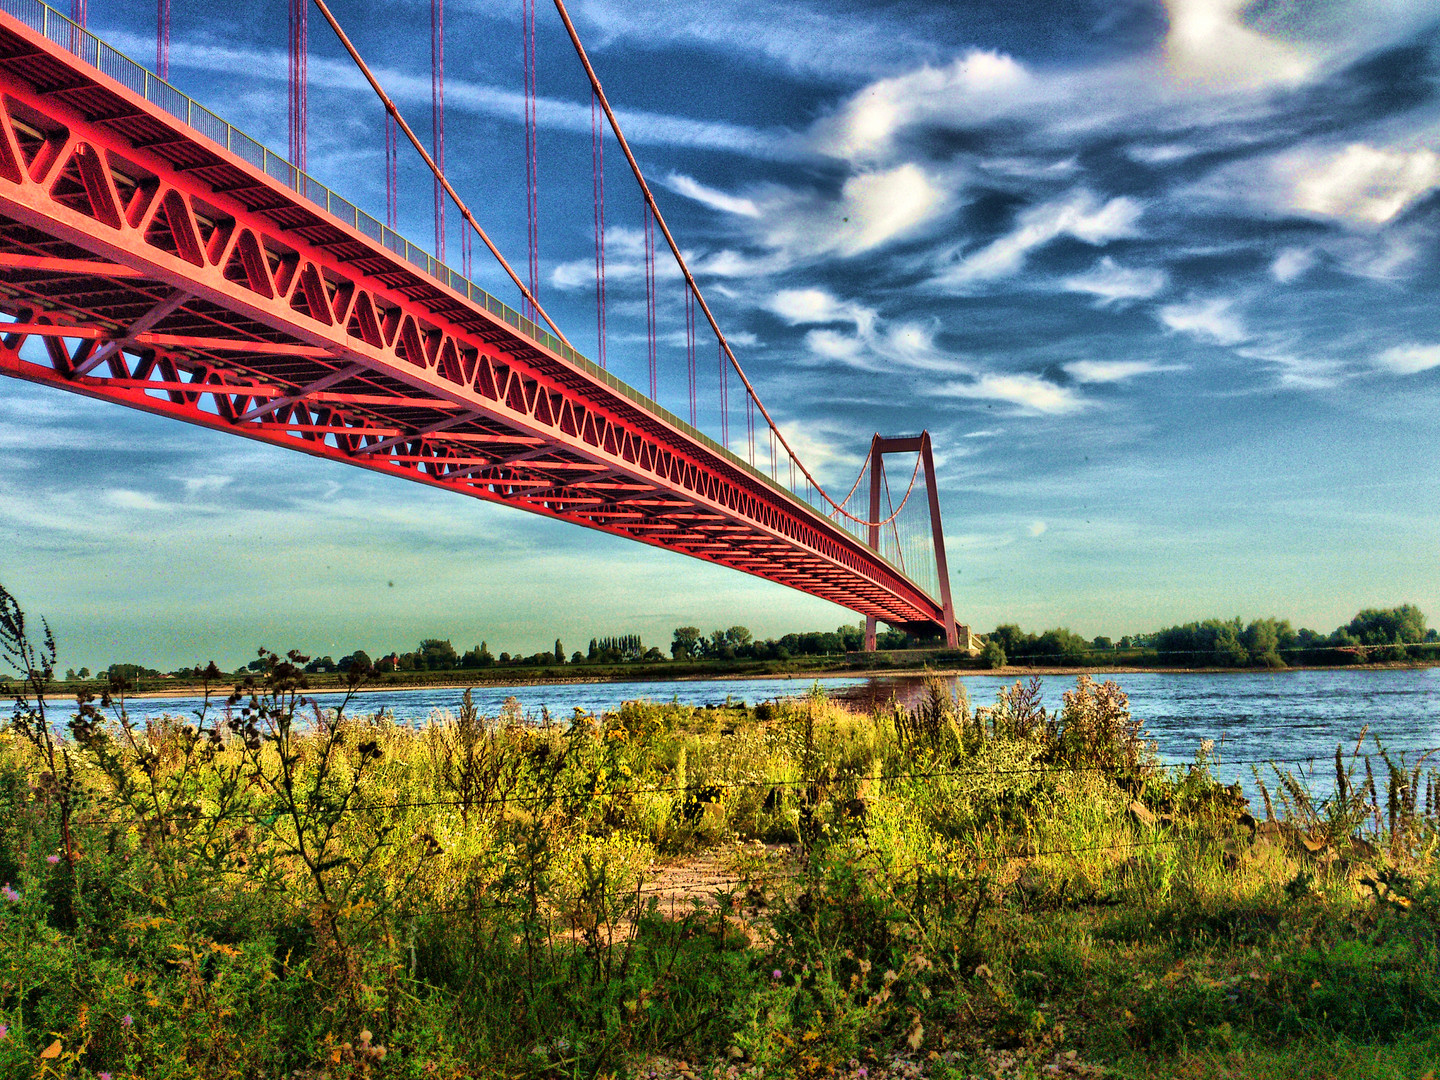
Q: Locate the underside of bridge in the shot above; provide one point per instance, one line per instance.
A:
(168, 266)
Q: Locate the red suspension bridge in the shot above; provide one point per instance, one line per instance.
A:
(154, 256)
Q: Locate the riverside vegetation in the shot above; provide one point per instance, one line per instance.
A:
(263, 889)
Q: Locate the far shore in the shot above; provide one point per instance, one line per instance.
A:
(536, 678)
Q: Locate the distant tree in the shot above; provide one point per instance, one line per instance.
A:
(131, 672)
(255, 665)
(437, 655)
(993, 654)
(1262, 641)
(852, 637)
(739, 638)
(504, 658)
(594, 650)
(85, 671)
(1013, 640)
(1102, 643)
(359, 660)
(653, 656)
(70, 674)
(1125, 643)
(1404, 625)
(577, 657)
(1060, 644)
(320, 665)
(687, 643)
(559, 652)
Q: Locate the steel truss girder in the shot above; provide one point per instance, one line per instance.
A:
(122, 209)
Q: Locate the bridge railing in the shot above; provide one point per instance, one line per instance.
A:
(64, 32)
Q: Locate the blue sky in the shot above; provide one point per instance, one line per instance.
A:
(1158, 277)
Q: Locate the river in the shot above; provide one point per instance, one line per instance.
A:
(1284, 715)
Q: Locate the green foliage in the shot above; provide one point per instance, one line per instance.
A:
(687, 644)
(275, 889)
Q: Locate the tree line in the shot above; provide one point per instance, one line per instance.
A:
(1374, 635)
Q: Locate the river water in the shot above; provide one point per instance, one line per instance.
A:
(1288, 715)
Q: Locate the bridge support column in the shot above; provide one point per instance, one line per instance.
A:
(921, 445)
(876, 445)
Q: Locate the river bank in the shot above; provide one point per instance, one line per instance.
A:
(690, 673)
(789, 890)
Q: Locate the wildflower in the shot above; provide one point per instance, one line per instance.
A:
(862, 1071)
(10, 895)
(127, 1021)
(102, 1076)
(775, 974)
(52, 859)
(4, 1032)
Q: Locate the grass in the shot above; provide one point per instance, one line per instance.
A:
(264, 890)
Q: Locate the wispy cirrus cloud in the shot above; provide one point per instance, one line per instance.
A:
(1031, 393)
(465, 95)
(1211, 320)
(1114, 371)
(1111, 283)
(716, 200)
(1080, 214)
(874, 344)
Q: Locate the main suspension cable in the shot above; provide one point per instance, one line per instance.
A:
(394, 112)
(685, 270)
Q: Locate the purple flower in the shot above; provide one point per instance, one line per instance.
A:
(127, 1021)
(775, 974)
(8, 893)
(102, 1076)
(4, 1031)
(862, 1071)
(52, 859)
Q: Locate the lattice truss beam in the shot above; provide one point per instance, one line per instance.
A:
(164, 273)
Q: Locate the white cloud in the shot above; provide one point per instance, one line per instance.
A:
(805, 306)
(195, 485)
(1211, 46)
(125, 499)
(807, 38)
(1292, 264)
(873, 209)
(1297, 371)
(873, 344)
(988, 433)
(1109, 371)
(1112, 283)
(1360, 184)
(1162, 154)
(1409, 359)
(624, 262)
(727, 263)
(830, 345)
(1036, 528)
(1032, 393)
(1386, 256)
(716, 200)
(970, 86)
(1080, 215)
(1208, 320)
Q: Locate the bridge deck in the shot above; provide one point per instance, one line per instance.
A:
(166, 271)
